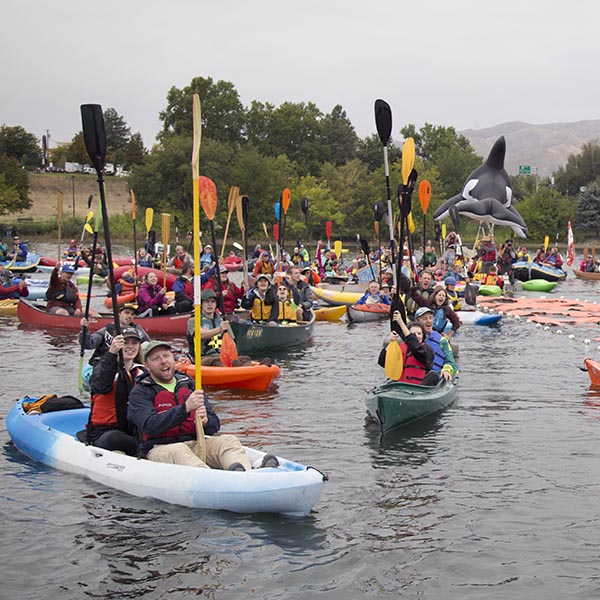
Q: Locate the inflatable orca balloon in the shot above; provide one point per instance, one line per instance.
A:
(486, 196)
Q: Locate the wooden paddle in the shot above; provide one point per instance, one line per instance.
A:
(135, 257)
(285, 204)
(166, 233)
(231, 202)
(197, 128)
(241, 209)
(94, 136)
(267, 236)
(59, 215)
(424, 199)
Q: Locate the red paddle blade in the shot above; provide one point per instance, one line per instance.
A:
(328, 229)
(229, 351)
(208, 196)
(276, 231)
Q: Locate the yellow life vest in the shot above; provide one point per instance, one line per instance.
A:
(287, 311)
(260, 311)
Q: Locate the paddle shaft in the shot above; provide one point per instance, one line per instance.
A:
(218, 267)
(135, 254)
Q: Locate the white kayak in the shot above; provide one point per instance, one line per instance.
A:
(78, 271)
(50, 438)
(477, 317)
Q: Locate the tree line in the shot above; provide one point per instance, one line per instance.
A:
(264, 148)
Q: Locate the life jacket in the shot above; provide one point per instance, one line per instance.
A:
(163, 401)
(104, 406)
(433, 339)
(188, 286)
(453, 298)
(411, 304)
(413, 371)
(260, 311)
(286, 312)
(65, 292)
(178, 262)
(212, 346)
(491, 279)
(266, 268)
(439, 320)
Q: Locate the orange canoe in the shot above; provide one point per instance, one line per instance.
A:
(255, 377)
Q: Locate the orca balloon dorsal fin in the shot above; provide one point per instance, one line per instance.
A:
(495, 160)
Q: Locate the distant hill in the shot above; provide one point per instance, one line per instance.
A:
(545, 147)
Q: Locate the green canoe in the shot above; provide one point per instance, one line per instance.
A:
(257, 338)
(396, 404)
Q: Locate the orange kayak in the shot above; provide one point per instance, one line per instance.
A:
(255, 377)
(593, 369)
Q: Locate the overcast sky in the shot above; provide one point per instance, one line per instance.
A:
(464, 63)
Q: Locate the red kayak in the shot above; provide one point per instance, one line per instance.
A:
(143, 270)
(31, 313)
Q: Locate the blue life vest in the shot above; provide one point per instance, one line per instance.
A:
(439, 358)
(439, 320)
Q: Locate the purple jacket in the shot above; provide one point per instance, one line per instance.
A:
(150, 295)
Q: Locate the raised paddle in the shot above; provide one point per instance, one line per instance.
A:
(59, 215)
(242, 211)
(149, 218)
(88, 218)
(135, 256)
(285, 204)
(94, 136)
(304, 207)
(424, 199)
(328, 233)
(546, 242)
(267, 236)
(365, 248)
(166, 233)
(197, 129)
(337, 248)
(208, 201)
(378, 214)
(88, 300)
(231, 201)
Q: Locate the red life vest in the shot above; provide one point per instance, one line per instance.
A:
(163, 401)
(104, 409)
(413, 371)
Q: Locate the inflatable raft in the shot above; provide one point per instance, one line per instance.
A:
(364, 313)
(50, 438)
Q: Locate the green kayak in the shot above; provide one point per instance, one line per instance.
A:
(395, 404)
(489, 290)
(539, 285)
(85, 279)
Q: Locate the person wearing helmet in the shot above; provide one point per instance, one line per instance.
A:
(72, 250)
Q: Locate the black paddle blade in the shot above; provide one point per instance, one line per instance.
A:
(90, 198)
(397, 305)
(365, 246)
(245, 210)
(379, 211)
(470, 294)
(383, 120)
(94, 134)
(304, 205)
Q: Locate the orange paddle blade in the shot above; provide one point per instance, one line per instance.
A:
(208, 196)
(285, 200)
(424, 195)
(228, 350)
(132, 204)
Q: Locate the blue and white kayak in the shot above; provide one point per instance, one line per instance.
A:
(477, 317)
(23, 266)
(50, 438)
(36, 287)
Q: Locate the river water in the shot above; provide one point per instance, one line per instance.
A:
(495, 498)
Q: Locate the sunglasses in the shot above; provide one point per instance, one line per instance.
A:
(282, 289)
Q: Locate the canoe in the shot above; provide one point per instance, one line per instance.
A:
(256, 377)
(538, 285)
(477, 317)
(587, 276)
(34, 314)
(334, 298)
(330, 313)
(50, 438)
(23, 266)
(395, 404)
(593, 370)
(489, 290)
(8, 307)
(258, 338)
(524, 271)
(364, 313)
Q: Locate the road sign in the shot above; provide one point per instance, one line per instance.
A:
(524, 169)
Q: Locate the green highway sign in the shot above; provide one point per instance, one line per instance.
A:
(524, 170)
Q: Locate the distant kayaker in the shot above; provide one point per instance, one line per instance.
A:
(232, 294)
(110, 384)
(373, 295)
(163, 406)
(19, 253)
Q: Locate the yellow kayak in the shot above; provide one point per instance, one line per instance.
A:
(330, 313)
(8, 307)
(333, 298)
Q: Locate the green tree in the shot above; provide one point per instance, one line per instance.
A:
(546, 212)
(14, 192)
(339, 139)
(76, 151)
(587, 216)
(118, 133)
(20, 144)
(223, 114)
(580, 169)
(134, 152)
(370, 151)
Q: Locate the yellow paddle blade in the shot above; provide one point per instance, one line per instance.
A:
(90, 216)
(337, 248)
(88, 228)
(394, 365)
(411, 223)
(408, 159)
(149, 218)
(443, 231)
(546, 242)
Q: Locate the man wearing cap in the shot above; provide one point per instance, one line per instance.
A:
(100, 340)
(260, 299)
(19, 253)
(232, 294)
(163, 406)
(212, 328)
(443, 356)
(110, 384)
(62, 295)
